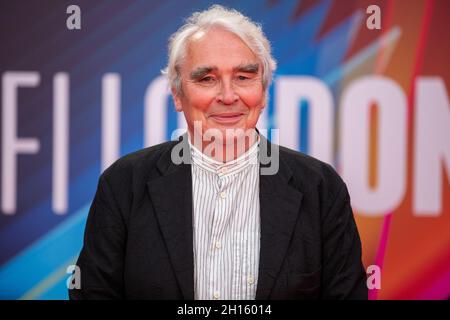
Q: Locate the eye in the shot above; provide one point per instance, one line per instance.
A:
(242, 78)
(207, 79)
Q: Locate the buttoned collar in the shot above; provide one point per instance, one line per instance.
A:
(248, 158)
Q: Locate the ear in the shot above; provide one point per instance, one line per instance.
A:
(176, 100)
(264, 102)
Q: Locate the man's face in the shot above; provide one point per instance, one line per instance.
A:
(221, 83)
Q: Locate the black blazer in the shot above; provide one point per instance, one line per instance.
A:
(138, 239)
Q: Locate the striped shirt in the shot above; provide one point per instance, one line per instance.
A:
(226, 226)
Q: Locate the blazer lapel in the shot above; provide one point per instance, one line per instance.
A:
(279, 208)
(171, 195)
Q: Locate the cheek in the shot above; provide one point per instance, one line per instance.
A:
(200, 98)
(196, 103)
(254, 100)
(253, 96)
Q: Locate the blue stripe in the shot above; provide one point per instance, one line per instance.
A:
(46, 254)
(304, 126)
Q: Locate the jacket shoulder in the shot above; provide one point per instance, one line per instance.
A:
(142, 161)
(127, 177)
(311, 172)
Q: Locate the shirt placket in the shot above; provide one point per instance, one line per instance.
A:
(216, 246)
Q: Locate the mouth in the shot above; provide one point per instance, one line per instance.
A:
(227, 118)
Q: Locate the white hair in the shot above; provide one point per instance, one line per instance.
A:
(231, 20)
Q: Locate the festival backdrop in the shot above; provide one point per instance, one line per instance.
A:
(360, 84)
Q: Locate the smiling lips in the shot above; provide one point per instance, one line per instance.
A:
(227, 118)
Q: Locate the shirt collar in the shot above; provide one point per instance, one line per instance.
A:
(199, 159)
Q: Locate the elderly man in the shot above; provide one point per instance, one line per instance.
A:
(198, 218)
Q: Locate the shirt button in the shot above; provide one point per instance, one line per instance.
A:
(224, 170)
(250, 280)
(218, 245)
(216, 295)
(223, 194)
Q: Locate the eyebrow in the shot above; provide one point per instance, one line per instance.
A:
(248, 68)
(200, 72)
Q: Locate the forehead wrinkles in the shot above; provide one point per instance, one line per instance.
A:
(211, 39)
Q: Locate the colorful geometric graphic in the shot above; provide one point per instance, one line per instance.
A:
(74, 100)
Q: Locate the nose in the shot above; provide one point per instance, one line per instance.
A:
(227, 95)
